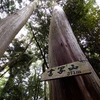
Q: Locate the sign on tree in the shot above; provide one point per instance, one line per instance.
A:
(71, 69)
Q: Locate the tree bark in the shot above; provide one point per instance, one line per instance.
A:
(11, 25)
(64, 49)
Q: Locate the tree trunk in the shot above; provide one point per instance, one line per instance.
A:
(64, 49)
(11, 25)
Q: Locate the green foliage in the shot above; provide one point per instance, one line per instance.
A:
(24, 80)
(24, 70)
(2, 83)
(40, 22)
(23, 89)
(84, 18)
(21, 84)
(18, 88)
(8, 6)
(19, 1)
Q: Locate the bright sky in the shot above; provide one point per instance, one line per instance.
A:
(98, 2)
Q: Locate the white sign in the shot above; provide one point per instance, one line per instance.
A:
(72, 69)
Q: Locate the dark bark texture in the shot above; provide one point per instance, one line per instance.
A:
(64, 49)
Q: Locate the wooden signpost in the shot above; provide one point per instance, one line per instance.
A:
(71, 69)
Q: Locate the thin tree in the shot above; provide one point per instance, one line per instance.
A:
(64, 49)
(12, 24)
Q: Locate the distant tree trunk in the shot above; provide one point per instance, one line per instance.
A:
(63, 49)
(12, 24)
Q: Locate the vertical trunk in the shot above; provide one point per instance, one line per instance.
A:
(11, 25)
(45, 92)
(63, 49)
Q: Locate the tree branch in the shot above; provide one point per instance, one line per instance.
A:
(17, 58)
(4, 73)
(43, 55)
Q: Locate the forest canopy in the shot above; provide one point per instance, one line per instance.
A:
(26, 58)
